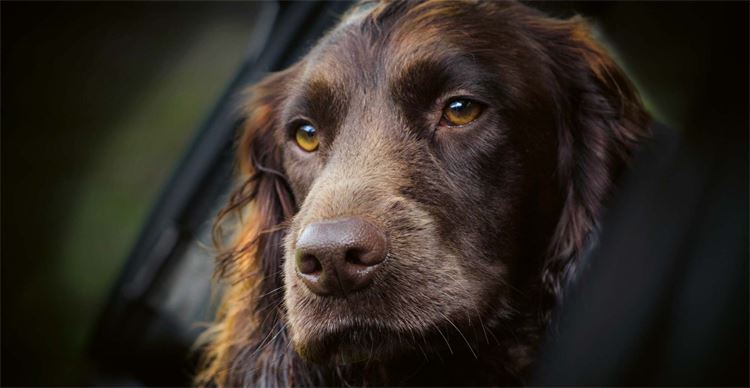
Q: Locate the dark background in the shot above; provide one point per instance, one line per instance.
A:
(99, 100)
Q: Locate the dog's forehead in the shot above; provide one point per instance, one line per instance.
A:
(368, 49)
(344, 56)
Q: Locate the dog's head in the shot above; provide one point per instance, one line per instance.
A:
(428, 169)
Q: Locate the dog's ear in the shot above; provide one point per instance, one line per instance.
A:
(601, 120)
(249, 328)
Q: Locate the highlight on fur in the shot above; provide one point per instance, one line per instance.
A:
(606, 123)
(600, 120)
(249, 264)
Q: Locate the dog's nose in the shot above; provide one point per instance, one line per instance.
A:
(340, 256)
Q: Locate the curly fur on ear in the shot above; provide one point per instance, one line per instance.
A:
(601, 122)
(249, 340)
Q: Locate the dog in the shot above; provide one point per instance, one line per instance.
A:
(414, 194)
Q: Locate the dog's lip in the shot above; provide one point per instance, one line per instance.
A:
(346, 343)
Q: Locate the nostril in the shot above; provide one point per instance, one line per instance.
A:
(354, 256)
(309, 265)
(364, 257)
(339, 256)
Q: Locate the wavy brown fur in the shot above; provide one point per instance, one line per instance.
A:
(599, 120)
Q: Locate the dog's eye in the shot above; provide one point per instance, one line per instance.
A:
(461, 111)
(307, 137)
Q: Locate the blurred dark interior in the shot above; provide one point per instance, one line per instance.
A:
(113, 112)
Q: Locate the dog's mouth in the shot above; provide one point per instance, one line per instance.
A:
(351, 344)
(370, 344)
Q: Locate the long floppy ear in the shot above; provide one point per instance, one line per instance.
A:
(248, 343)
(601, 121)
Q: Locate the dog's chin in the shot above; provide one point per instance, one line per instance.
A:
(350, 345)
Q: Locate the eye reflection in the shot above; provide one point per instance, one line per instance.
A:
(306, 137)
(461, 111)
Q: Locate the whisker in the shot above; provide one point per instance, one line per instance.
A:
(275, 290)
(460, 333)
(421, 349)
(481, 323)
(444, 338)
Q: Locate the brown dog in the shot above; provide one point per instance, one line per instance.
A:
(416, 190)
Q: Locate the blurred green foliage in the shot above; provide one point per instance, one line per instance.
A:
(99, 102)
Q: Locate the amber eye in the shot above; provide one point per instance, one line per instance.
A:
(307, 137)
(461, 111)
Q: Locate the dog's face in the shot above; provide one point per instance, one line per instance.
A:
(426, 173)
(440, 142)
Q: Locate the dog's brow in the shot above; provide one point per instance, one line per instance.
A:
(422, 81)
(322, 101)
